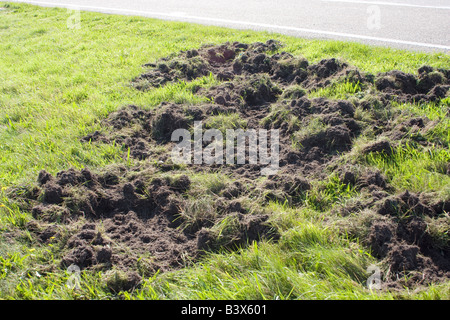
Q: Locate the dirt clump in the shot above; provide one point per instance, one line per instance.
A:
(118, 280)
(224, 60)
(380, 147)
(402, 238)
(250, 92)
(133, 213)
(430, 85)
(286, 188)
(167, 120)
(363, 178)
(326, 71)
(238, 230)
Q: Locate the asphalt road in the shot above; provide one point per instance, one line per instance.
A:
(422, 25)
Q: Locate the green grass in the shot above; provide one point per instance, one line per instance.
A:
(415, 168)
(314, 127)
(225, 121)
(437, 112)
(328, 193)
(337, 90)
(57, 84)
(310, 262)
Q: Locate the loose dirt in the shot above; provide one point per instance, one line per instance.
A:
(117, 215)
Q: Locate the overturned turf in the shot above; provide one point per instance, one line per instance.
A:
(127, 213)
(118, 216)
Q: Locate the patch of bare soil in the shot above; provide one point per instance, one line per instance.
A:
(430, 85)
(231, 60)
(402, 238)
(400, 232)
(119, 215)
(129, 213)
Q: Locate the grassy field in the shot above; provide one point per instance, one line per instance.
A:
(58, 83)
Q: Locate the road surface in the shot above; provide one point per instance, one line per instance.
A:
(422, 25)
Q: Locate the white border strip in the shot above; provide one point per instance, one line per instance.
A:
(397, 4)
(240, 23)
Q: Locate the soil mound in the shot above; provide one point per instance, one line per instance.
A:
(430, 85)
(229, 60)
(127, 216)
(225, 61)
(402, 237)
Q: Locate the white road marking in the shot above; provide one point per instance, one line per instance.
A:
(383, 3)
(178, 14)
(243, 23)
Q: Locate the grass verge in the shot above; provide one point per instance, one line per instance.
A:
(59, 83)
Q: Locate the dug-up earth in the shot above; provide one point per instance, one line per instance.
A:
(114, 216)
